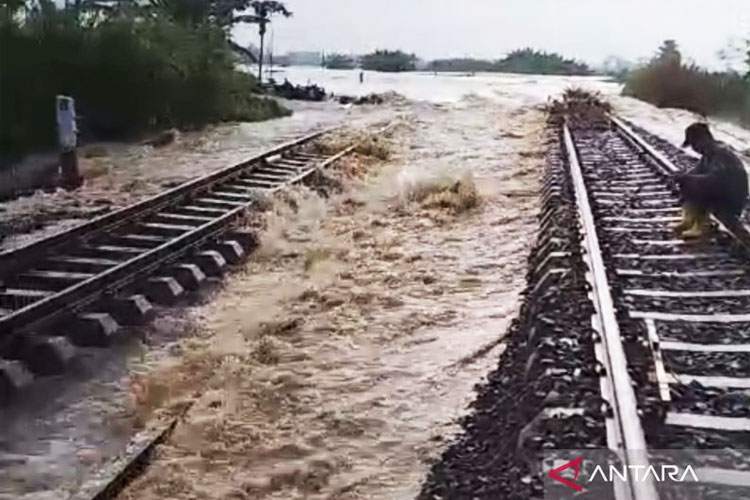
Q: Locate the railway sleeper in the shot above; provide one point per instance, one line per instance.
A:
(245, 237)
(189, 276)
(136, 240)
(46, 355)
(287, 160)
(16, 298)
(114, 252)
(93, 329)
(231, 251)
(163, 290)
(198, 211)
(214, 202)
(243, 189)
(39, 279)
(277, 171)
(164, 230)
(211, 262)
(261, 175)
(187, 219)
(78, 264)
(130, 310)
(242, 198)
(15, 378)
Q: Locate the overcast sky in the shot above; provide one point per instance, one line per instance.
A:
(587, 29)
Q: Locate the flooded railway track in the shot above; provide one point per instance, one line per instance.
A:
(76, 288)
(673, 315)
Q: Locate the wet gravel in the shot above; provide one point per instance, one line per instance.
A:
(689, 305)
(549, 364)
(709, 363)
(695, 398)
(704, 333)
(685, 283)
(673, 437)
(677, 266)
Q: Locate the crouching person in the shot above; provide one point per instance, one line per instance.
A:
(718, 184)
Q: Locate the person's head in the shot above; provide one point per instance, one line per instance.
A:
(699, 137)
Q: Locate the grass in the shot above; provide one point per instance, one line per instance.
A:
(444, 192)
(367, 144)
(314, 256)
(373, 146)
(461, 197)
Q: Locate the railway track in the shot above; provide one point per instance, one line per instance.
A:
(76, 288)
(673, 316)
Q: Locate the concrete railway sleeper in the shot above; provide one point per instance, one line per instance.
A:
(107, 273)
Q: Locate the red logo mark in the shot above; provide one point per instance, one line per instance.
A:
(576, 464)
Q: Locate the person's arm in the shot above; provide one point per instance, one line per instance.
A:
(703, 166)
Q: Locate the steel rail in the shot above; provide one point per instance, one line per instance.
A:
(624, 404)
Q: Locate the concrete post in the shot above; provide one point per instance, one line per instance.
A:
(67, 134)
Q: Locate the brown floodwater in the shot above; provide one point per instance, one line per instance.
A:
(373, 349)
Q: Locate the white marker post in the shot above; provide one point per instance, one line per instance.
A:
(67, 131)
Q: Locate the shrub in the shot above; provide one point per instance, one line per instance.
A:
(667, 83)
(461, 65)
(530, 61)
(389, 60)
(339, 61)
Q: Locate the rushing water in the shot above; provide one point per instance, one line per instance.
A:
(444, 87)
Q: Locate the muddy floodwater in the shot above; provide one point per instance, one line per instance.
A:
(336, 363)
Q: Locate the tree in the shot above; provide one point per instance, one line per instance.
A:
(263, 10)
(196, 12)
(747, 75)
(530, 61)
(339, 61)
(669, 53)
(389, 60)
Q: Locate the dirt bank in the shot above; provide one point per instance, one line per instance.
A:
(337, 365)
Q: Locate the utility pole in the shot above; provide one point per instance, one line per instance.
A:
(270, 54)
(260, 57)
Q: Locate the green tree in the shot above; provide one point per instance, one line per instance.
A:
(669, 53)
(389, 60)
(339, 61)
(530, 61)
